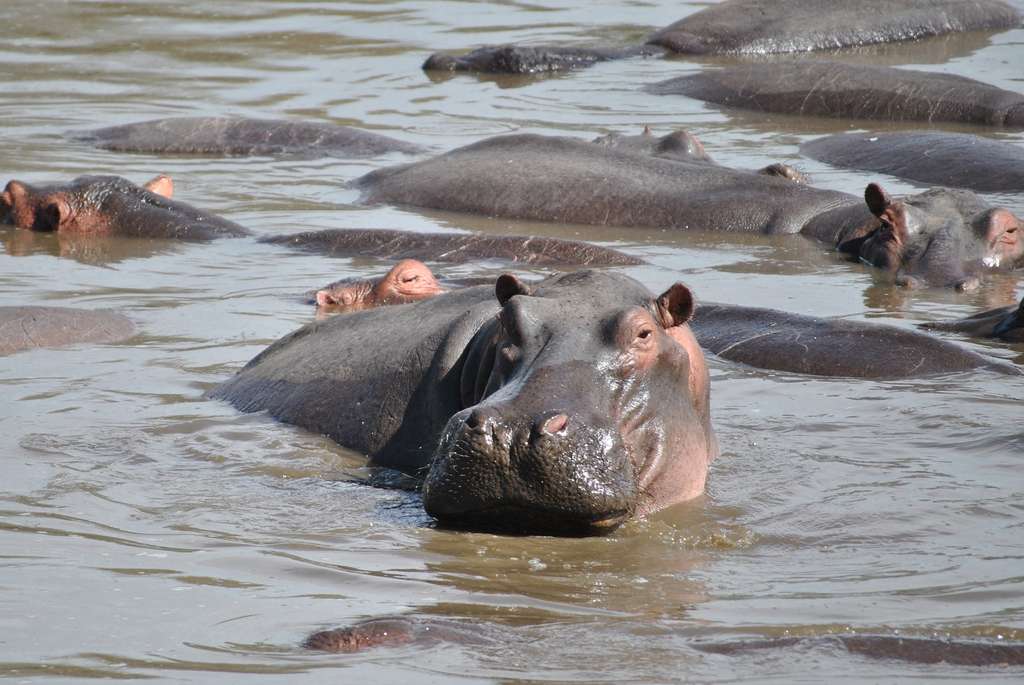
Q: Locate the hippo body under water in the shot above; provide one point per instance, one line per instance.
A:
(959, 160)
(111, 206)
(29, 327)
(941, 237)
(796, 343)
(1004, 323)
(851, 91)
(453, 247)
(756, 27)
(568, 406)
(222, 136)
(423, 631)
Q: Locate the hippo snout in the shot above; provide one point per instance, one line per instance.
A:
(550, 471)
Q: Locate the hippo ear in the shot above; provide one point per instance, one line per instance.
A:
(161, 185)
(508, 286)
(878, 200)
(324, 298)
(51, 216)
(675, 306)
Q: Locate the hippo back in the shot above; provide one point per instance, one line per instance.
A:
(375, 381)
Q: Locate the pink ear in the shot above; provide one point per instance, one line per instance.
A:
(324, 298)
(161, 185)
(675, 306)
(1002, 233)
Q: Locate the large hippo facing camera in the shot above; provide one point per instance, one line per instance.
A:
(567, 406)
(111, 206)
(940, 237)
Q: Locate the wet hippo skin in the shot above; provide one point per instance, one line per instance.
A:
(430, 631)
(757, 27)
(959, 160)
(454, 247)
(568, 406)
(111, 206)
(25, 328)
(851, 91)
(795, 343)
(1005, 323)
(941, 237)
(215, 136)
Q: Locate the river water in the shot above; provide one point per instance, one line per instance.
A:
(146, 532)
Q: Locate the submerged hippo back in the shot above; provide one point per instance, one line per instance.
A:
(851, 91)
(236, 136)
(24, 328)
(566, 180)
(770, 26)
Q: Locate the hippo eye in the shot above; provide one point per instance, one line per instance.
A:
(645, 334)
(409, 278)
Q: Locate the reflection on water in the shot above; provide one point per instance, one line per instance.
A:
(148, 532)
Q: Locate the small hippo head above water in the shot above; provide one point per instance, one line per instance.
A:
(110, 205)
(581, 410)
(408, 281)
(941, 237)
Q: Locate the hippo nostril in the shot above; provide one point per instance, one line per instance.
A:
(554, 424)
(478, 418)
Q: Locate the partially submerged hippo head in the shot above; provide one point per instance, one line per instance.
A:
(941, 237)
(582, 410)
(110, 205)
(408, 281)
(71, 206)
(680, 145)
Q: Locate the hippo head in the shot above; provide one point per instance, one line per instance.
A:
(69, 207)
(408, 281)
(941, 237)
(680, 145)
(587, 402)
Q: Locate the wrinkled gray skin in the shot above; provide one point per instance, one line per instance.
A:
(453, 247)
(1005, 323)
(945, 237)
(539, 59)
(684, 146)
(851, 91)
(26, 328)
(109, 205)
(760, 27)
(757, 27)
(215, 136)
(427, 631)
(782, 341)
(959, 160)
(585, 401)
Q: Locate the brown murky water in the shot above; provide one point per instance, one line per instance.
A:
(146, 532)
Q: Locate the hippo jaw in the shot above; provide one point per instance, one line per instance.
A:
(495, 474)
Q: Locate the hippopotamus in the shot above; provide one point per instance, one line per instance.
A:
(454, 247)
(422, 631)
(241, 137)
(960, 160)
(408, 281)
(851, 91)
(1005, 323)
(940, 237)
(568, 406)
(29, 327)
(757, 27)
(111, 205)
(685, 146)
(783, 341)
(755, 336)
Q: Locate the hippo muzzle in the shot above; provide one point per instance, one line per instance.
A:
(549, 471)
